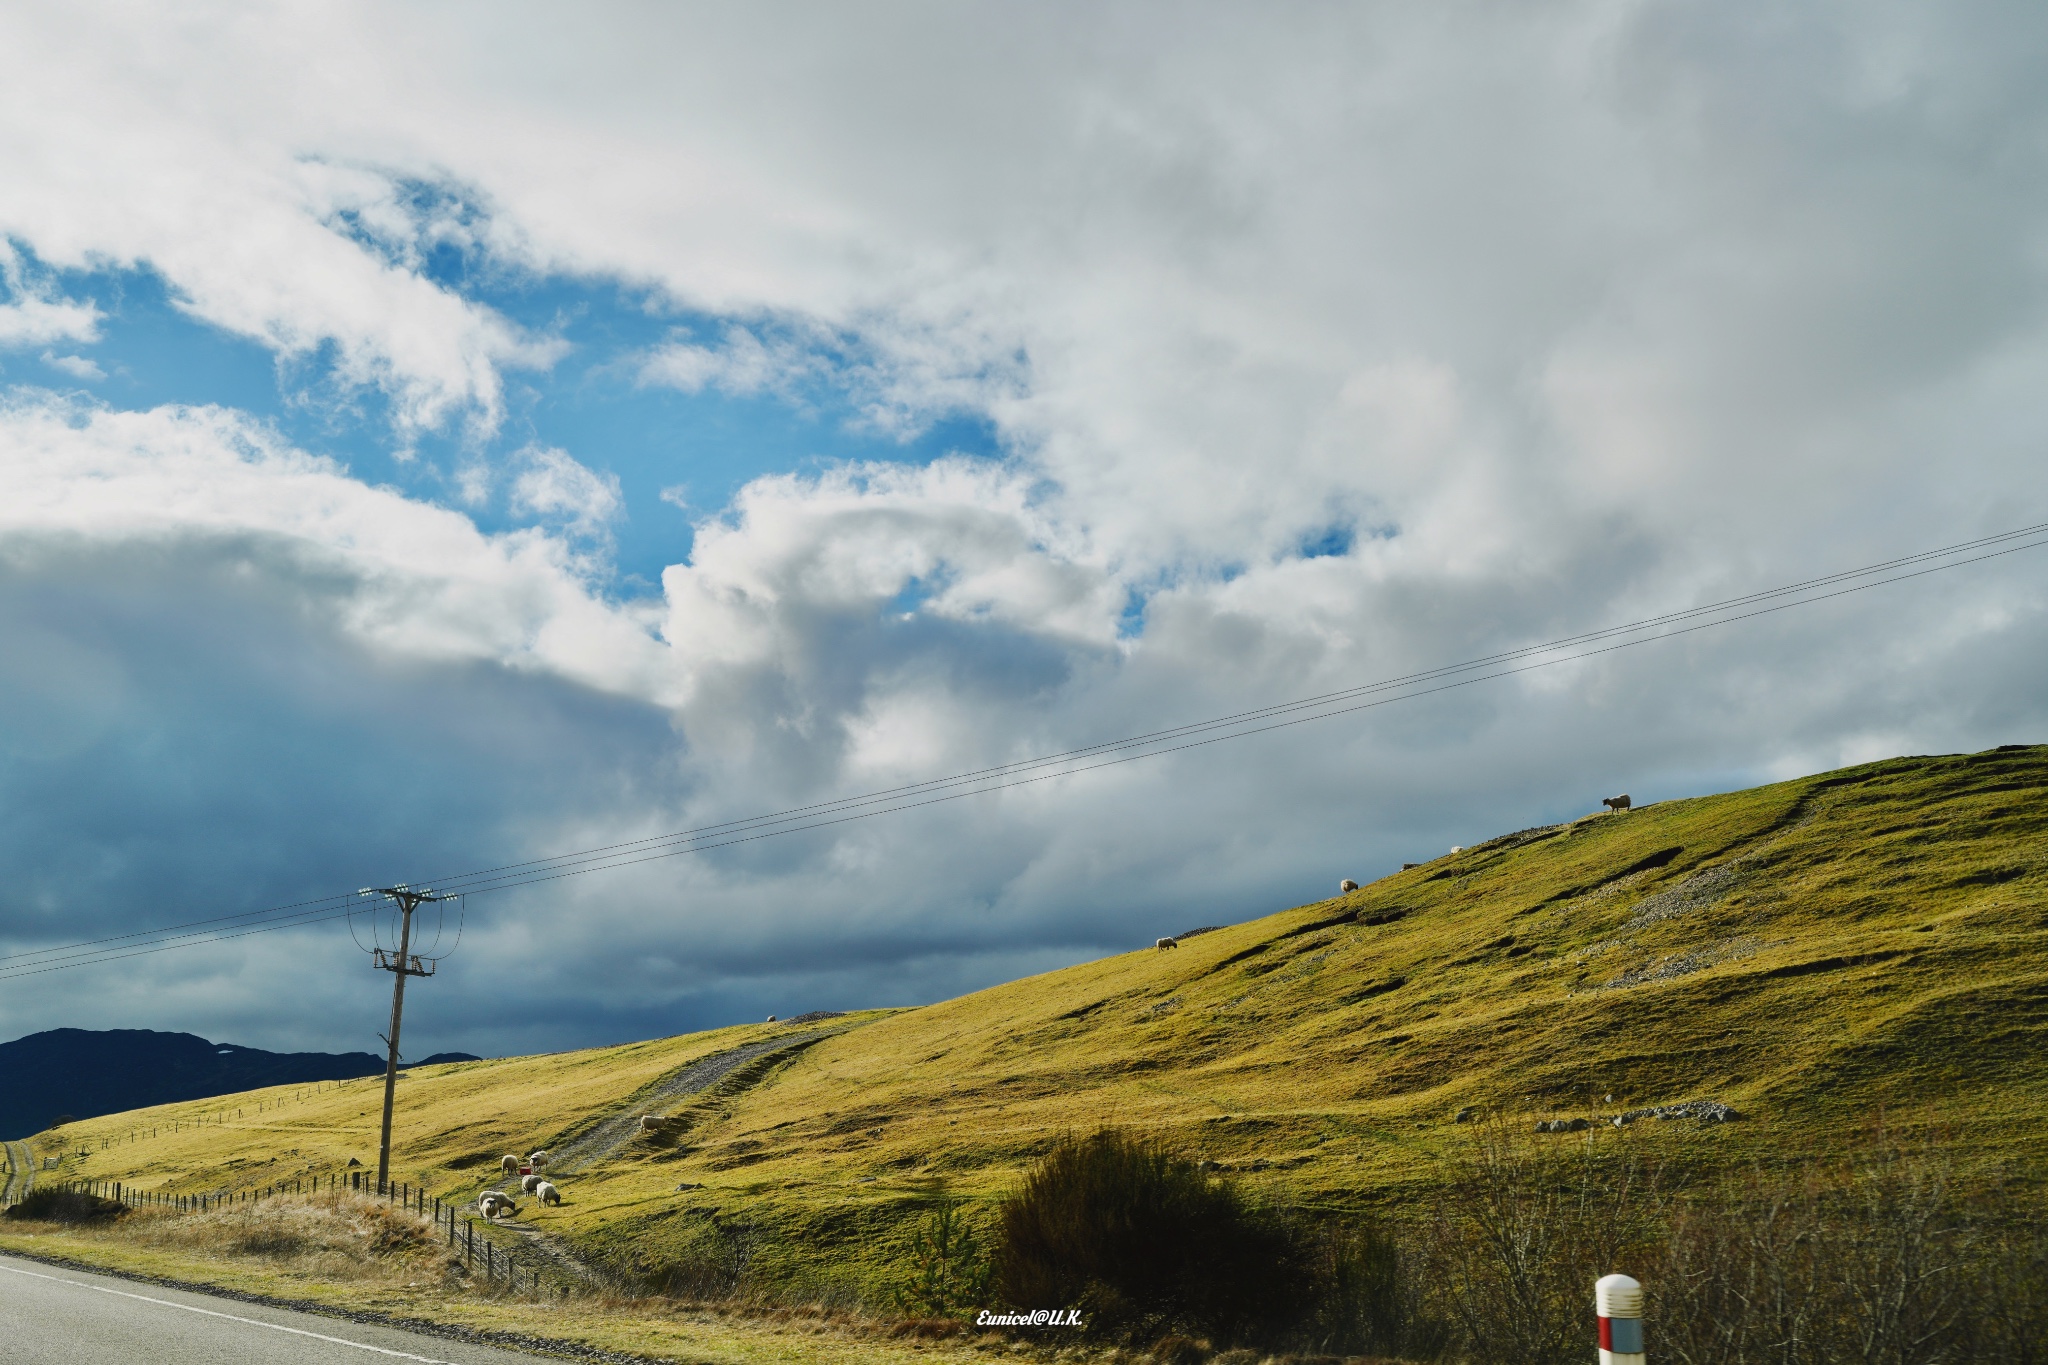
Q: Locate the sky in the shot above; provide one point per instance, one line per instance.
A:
(435, 436)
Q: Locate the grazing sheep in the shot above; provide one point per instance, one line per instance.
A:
(1165, 943)
(495, 1204)
(539, 1159)
(509, 1165)
(771, 1018)
(1615, 803)
(653, 1123)
(1346, 885)
(529, 1183)
(547, 1193)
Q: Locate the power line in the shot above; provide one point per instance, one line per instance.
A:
(1071, 762)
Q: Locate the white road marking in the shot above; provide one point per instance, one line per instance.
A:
(208, 1312)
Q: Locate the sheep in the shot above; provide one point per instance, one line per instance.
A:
(1346, 885)
(1615, 803)
(496, 1204)
(539, 1159)
(1163, 944)
(528, 1183)
(547, 1193)
(653, 1123)
(509, 1164)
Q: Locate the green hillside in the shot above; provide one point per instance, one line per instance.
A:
(1811, 953)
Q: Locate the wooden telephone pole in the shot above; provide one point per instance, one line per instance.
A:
(400, 964)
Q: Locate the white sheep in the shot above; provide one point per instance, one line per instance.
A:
(539, 1159)
(529, 1183)
(653, 1123)
(509, 1164)
(496, 1204)
(1615, 803)
(547, 1193)
(1165, 943)
(1346, 885)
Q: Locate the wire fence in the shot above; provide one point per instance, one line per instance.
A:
(485, 1248)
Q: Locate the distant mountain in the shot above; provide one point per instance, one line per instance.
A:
(86, 1072)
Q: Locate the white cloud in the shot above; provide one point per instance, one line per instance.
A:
(550, 483)
(39, 322)
(742, 365)
(77, 366)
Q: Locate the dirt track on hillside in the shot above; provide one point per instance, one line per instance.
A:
(613, 1133)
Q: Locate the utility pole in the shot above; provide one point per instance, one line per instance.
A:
(400, 964)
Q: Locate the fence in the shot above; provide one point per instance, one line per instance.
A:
(530, 1272)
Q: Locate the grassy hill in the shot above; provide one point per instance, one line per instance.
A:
(1812, 953)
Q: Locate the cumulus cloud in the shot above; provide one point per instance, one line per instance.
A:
(407, 577)
(140, 160)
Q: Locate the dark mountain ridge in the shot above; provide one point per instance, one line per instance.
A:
(82, 1073)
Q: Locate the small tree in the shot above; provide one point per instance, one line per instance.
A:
(949, 1272)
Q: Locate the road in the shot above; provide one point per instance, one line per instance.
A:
(53, 1316)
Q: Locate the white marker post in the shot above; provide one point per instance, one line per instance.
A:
(1619, 1302)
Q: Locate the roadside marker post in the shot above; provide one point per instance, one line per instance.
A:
(1619, 1302)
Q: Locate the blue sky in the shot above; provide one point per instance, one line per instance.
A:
(438, 438)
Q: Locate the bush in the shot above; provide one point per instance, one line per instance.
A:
(66, 1206)
(1143, 1242)
(1363, 1299)
(1876, 1261)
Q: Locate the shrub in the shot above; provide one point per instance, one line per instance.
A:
(66, 1206)
(1363, 1298)
(1138, 1238)
(1879, 1260)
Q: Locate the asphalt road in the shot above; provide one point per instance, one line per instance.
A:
(53, 1316)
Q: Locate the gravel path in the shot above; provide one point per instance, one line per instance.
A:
(608, 1137)
(21, 1173)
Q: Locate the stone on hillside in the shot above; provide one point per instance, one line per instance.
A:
(1705, 1111)
(1563, 1126)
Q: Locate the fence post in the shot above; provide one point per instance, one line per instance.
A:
(1619, 1302)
